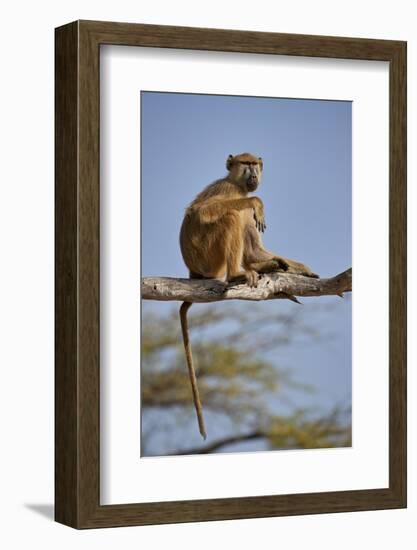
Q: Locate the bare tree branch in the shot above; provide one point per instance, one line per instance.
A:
(282, 434)
(222, 443)
(270, 286)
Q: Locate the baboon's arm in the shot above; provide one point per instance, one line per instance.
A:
(212, 211)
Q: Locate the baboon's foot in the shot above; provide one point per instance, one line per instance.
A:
(249, 276)
(252, 278)
(301, 269)
(269, 266)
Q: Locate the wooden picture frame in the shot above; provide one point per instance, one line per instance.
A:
(77, 373)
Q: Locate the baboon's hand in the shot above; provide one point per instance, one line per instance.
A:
(258, 214)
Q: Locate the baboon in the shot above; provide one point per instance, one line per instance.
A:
(221, 238)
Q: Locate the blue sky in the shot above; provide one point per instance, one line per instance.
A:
(306, 190)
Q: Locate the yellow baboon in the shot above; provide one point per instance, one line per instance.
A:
(220, 238)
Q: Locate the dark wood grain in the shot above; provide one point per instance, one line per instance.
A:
(398, 273)
(66, 237)
(77, 404)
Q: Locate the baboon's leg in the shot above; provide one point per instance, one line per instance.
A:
(233, 232)
(278, 263)
(256, 257)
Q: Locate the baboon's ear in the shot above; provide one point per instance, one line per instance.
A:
(229, 162)
(261, 162)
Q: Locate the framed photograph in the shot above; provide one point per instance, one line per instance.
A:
(261, 179)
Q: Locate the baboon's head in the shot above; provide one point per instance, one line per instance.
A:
(245, 170)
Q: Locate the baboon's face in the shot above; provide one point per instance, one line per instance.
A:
(245, 170)
(249, 173)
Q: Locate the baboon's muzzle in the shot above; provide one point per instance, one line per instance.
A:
(252, 183)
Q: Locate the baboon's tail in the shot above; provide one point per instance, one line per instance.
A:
(191, 372)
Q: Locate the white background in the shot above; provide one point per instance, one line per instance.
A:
(125, 478)
(26, 301)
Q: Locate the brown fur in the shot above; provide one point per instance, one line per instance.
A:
(220, 233)
(220, 238)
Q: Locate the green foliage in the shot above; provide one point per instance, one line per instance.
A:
(298, 431)
(236, 382)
